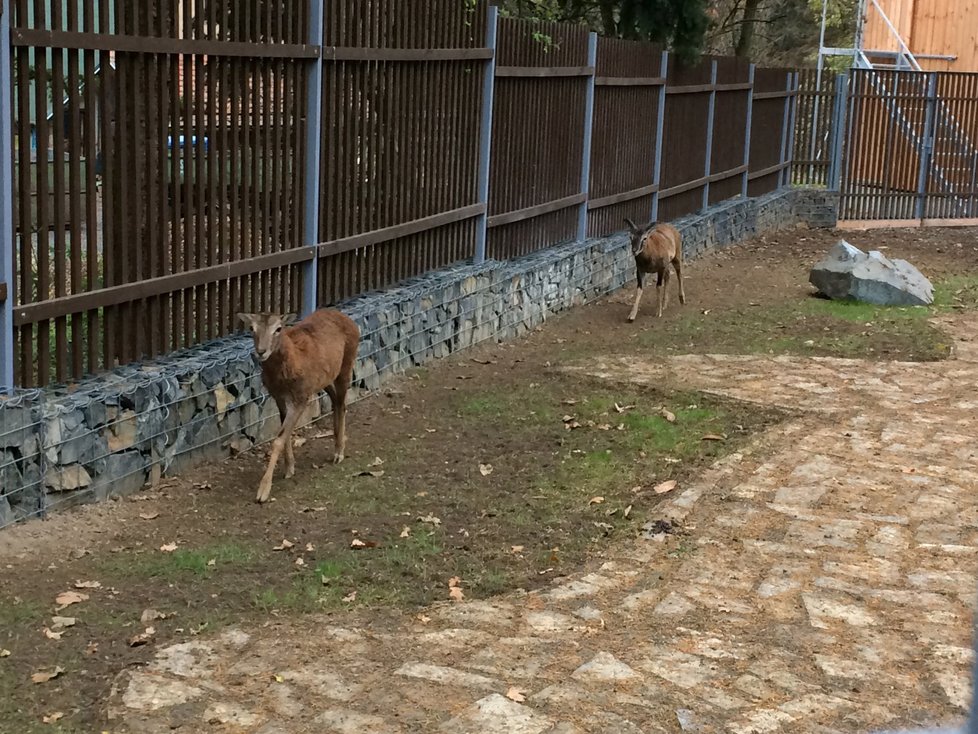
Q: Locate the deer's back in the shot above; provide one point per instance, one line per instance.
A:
(661, 245)
(315, 352)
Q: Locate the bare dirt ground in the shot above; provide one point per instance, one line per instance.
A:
(516, 466)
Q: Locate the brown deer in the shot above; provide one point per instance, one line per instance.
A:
(297, 362)
(656, 247)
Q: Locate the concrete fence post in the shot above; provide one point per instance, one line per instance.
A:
(313, 162)
(592, 62)
(6, 208)
(485, 136)
(709, 133)
(660, 128)
(745, 177)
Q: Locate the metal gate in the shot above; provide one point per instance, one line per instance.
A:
(910, 155)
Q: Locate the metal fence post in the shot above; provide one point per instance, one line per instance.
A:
(485, 136)
(745, 178)
(837, 136)
(6, 207)
(314, 132)
(660, 127)
(709, 133)
(792, 121)
(926, 146)
(592, 62)
(784, 127)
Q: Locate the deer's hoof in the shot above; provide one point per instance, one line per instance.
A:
(338, 459)
(290, 472)
(263, 494)
(631, 319)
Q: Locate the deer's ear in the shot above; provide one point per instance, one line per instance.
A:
(631, 225)
(289, 318)
(248, 319)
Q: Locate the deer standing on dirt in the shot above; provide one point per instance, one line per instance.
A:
(656, 247)
(297, 362)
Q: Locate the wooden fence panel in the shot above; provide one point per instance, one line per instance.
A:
(624, 135)
(400, 141)
(537, 136)
(687, 117)
(729, 128)
(811, 153)
(160, 250)
(768, 130)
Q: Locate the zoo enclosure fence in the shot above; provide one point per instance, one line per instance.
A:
(164, 165)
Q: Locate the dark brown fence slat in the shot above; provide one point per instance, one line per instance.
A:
(160, 171)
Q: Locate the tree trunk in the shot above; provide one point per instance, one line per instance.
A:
(746, 38)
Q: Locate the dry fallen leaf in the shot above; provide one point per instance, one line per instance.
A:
(485, 469)
(406, 532)
(310, 547)
(324, 434)
(357, 543)
(51, 635)
(44, 676)
(168, 547)
(430, 519)
(300, 561)
(378, 473)
(516, 548)
(376, 462)
(713, 437)
(666, 486)
(628, 511)
(151, 615)
(60, 623)
(52, 718)
(668, 415)
(67, 598)
(143, 638)
(298, 441)
(622, 408)
(88, 585)
(284, 545)
(4, 653)
(515, 694)
(423, 618)
(350, 597)
(595, 500)
(212, 562)
(149, 515)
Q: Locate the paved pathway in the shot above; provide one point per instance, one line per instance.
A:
(822, 581)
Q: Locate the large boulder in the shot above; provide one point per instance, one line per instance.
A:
(848, 273)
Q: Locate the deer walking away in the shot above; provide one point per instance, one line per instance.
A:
(297, 362)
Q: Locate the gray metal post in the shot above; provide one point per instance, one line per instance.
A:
(745, 178)
(784, 127)
(792, 121)
(592, 61)
(838, 133)
(660, 129)
(485, 136)
(927, 146)
(974, 174)
(6, 205)
(314, 119)
(709, 134)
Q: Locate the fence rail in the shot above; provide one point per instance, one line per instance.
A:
(172, 163)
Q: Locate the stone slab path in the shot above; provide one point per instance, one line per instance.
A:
(821, 581)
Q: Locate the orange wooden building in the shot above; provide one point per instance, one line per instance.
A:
(941, 34)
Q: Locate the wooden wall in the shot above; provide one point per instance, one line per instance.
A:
(928, 27)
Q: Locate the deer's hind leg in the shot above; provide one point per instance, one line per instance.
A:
(678, 265)
(337, 395)
(662, 291)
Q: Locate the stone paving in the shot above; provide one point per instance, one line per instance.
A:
(822, 580)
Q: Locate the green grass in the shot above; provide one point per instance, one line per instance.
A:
(181, 563)
(820, 327)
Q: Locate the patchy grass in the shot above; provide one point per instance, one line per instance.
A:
(820, 327)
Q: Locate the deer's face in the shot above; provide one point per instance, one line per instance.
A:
(266, 329)
(636, 235)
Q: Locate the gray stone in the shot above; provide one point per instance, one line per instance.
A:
(847, 273)
(67, 478)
